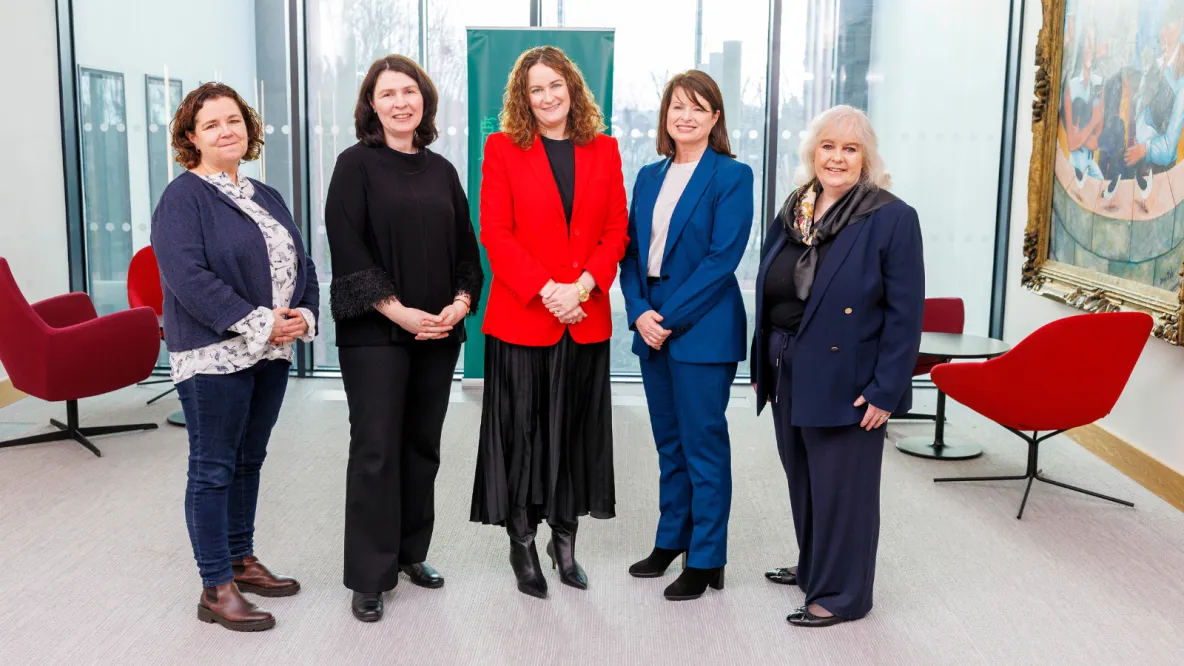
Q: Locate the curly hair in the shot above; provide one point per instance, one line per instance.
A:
(366, 123)
(584, 121)
(185, 121)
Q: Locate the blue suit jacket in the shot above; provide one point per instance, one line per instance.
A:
(862, 327)
(708, 233)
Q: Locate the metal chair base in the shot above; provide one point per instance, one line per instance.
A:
(1033, 474)
(71, 430)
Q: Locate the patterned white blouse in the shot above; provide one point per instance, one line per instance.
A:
(252, 344)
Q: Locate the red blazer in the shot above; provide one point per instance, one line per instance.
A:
(527, 240)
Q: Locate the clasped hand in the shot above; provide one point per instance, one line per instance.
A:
(289, 326)
(426, 326)
(650, 328)
(563, 301)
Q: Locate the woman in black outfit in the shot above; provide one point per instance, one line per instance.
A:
(406, 271)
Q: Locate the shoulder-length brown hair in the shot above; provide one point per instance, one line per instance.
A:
(698, 85)
(584, 120)
(366, 123)
(185, 121)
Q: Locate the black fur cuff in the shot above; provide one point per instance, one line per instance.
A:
(356, 294)
(469, 280)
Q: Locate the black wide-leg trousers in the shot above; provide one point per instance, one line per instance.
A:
(398, 397)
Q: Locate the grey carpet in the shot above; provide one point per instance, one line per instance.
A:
(95, 565)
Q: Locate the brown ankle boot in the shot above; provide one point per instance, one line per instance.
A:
(251, 576)
(226, 606)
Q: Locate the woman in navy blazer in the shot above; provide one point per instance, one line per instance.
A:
(839, 297)
(689, 224)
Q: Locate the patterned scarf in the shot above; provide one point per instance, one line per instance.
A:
(797, 216)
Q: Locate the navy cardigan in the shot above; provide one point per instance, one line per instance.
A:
(213, 261)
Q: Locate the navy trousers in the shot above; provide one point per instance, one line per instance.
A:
(834, 492)
(686, 404)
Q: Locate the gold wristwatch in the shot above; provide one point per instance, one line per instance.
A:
(582, 291)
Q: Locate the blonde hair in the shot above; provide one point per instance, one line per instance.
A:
(842, 119)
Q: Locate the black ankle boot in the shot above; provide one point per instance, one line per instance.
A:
(523, 556)
(694, 582)
(657, 563)
(562, 549)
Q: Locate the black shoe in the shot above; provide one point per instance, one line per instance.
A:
(782, 576)
(802, 617)
(524, 558)
(561, 548)
(657, 563)
(692, 583)
(367, 606)
(423, 575)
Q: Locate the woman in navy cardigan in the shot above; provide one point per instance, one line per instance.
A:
(688, 228)
(839, 298)
(239, 289)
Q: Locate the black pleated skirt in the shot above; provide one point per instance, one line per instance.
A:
(546, 437)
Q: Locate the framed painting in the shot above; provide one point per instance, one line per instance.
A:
(1106, 183)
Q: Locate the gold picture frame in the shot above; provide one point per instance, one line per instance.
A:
(1075, 284)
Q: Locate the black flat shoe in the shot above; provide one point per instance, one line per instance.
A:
(692, 583)
(367, 606)
(656, 564)
(782, 576)
(802, 617)
(423, 575)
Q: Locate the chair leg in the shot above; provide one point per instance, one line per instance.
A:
(150, 382)
(81, 439)
(95, 431)
(1020, 515)
(1084, 491)
(55, 436)
(161, 395)
(980, 478)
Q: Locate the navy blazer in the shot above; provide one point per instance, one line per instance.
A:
(708, 234)
(213, 261)
(861, 330)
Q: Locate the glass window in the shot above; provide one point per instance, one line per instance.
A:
(125, 108)
(732, 40)
(926, 111)
(344, 38)
(930, 112)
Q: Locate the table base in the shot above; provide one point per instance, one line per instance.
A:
(953, 449)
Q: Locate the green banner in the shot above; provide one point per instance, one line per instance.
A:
(492, 52)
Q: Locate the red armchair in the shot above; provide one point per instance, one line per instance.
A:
(59, 349)
(941, 315)
(143, 291)
(1066, 374)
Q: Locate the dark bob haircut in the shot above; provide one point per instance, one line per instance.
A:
(366, 123)
(698, 86)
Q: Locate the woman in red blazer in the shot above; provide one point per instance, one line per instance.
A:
(553, 223)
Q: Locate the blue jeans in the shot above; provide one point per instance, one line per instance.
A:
(229, 419)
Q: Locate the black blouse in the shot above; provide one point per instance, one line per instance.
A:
(783, 308)
(398, 226)
(561, 153)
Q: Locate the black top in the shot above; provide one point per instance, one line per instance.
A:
(561, 153)
(398, 226)
(783, 308)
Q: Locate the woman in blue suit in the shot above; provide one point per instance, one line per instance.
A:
(839, 298)
(689, 223)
